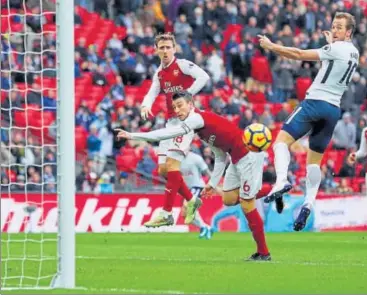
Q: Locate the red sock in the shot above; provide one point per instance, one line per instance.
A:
(184, 191)
(256, 225)
(174, 180)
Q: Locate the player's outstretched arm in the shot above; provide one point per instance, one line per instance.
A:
(201, 77)
(156, 135)
(289, 52)
(192, 122)
(150, 97)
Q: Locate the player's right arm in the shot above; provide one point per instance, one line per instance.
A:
(192, 122)
(290, 52)
(362, 151)
(150, 97)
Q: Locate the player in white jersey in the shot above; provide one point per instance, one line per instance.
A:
(193, 167)
(362, 151)
(318, 113)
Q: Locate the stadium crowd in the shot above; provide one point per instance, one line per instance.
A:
(219, 36)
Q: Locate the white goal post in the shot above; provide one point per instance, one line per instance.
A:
(28, 261)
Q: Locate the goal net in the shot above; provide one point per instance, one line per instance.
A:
(35, 210)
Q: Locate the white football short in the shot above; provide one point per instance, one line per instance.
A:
(175, 148)
(247, 175)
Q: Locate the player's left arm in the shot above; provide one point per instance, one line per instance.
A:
(219, 166)
(201, 77)
(289, 52)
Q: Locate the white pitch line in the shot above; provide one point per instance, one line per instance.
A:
(126, 290)
(311, 263)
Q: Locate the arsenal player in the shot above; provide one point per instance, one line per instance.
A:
(173, 75)
(243, 178)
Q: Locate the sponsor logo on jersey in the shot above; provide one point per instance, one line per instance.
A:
(173, 89)
(326, 48)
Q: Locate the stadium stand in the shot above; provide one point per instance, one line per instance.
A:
(114, 61)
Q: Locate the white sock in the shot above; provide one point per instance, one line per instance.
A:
(198, 221)
(282, 157)
(313, 179)
(165, 213)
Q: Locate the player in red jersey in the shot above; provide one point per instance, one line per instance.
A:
(172, 75)
(243, 178)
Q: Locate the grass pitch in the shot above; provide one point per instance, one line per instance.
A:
(322, 263)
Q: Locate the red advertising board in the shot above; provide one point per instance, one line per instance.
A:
(99, 213)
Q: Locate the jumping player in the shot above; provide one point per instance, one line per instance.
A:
(172, 75)
(243, 178)
(318, 113)
(193, 167)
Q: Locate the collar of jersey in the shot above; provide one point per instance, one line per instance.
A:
(163, 67)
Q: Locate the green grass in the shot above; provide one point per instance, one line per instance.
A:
(318, 263)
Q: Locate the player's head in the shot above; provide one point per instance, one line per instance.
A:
(182, 104)
(165, 45)
(343, 26)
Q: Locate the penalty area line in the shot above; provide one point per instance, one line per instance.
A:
(305, 263)
(139, 291)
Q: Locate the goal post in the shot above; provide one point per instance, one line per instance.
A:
(65, 277)
(37, 118)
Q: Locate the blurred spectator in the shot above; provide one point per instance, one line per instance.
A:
(343, 187)
(215, 66)
(93, 142)
(99, 77)
(146, 165)
(344, 136)
(117, 90)
(348, 169)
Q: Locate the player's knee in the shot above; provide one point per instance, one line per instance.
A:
(162, 170)
(231, 198)
(284, 137)
(314, 155)
(248, 205)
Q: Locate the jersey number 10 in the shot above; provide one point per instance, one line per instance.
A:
(347, 75)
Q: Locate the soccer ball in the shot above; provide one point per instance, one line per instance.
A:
(257, 137)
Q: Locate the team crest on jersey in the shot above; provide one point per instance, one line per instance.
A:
(326, 48)
(175, 72)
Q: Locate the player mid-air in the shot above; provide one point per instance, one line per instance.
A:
(193, 167)
(173, 75)
(243, 178)
(318, 113)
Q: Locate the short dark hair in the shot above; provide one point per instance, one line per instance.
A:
(182, 94)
